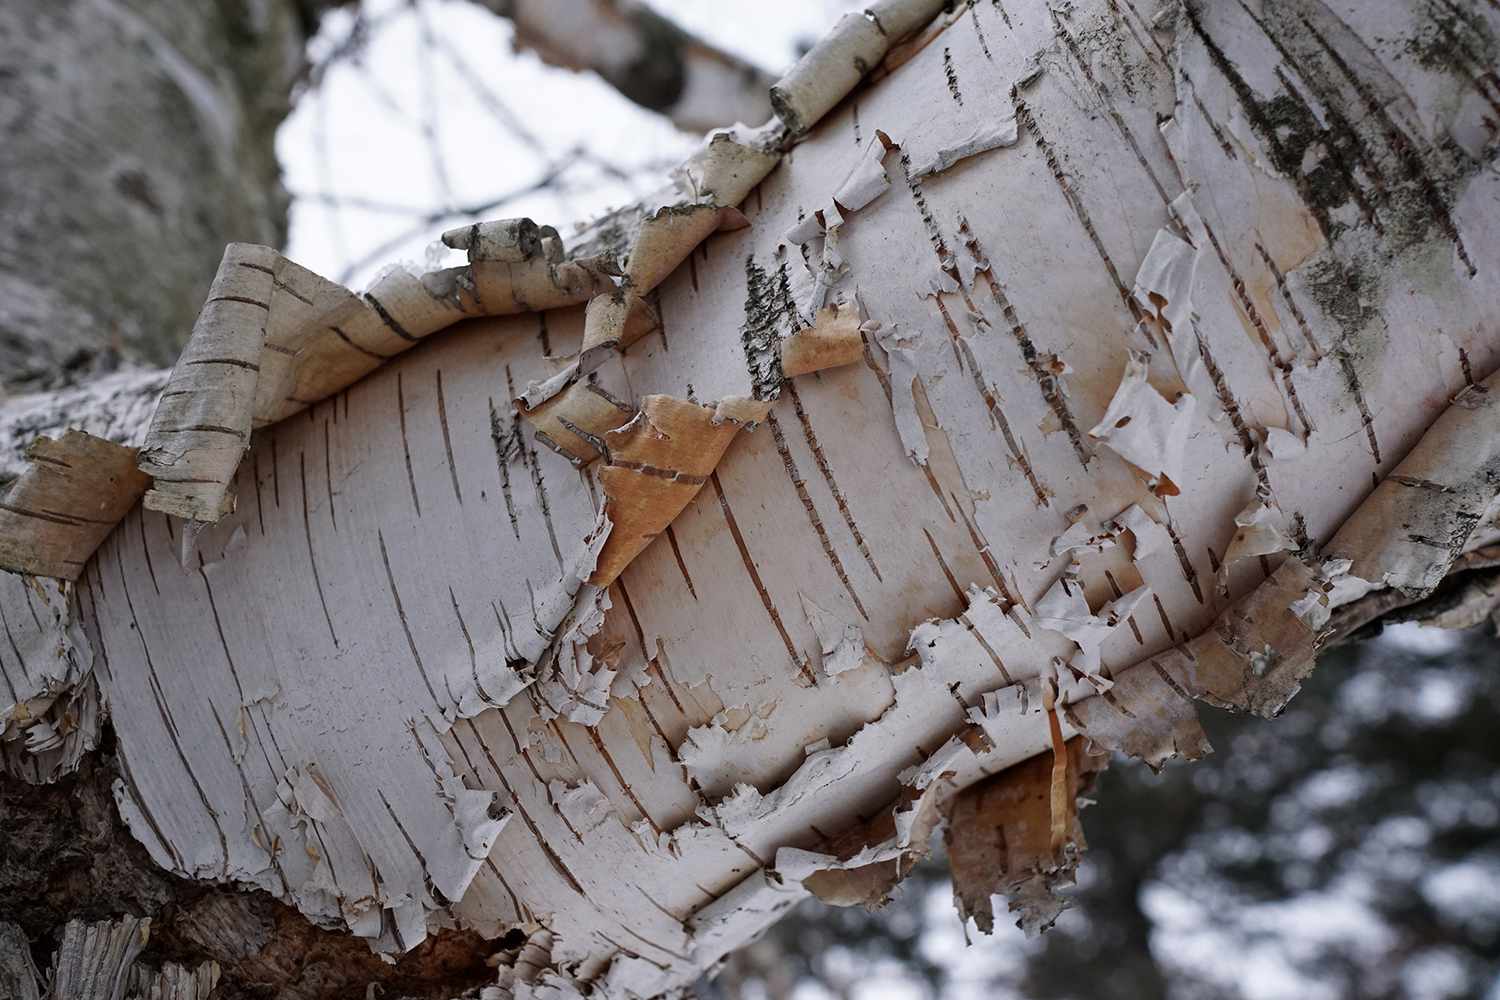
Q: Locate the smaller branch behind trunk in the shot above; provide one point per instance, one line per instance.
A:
(644, 56)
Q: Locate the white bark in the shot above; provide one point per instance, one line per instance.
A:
(400, 685)
(97, 961)
(650, 60)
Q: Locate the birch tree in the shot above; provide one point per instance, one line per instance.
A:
(1034, 371)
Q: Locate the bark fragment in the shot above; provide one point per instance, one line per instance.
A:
(73, 492)
(654, 466)
(1145, 429)
(834, 339)
(1001, 843)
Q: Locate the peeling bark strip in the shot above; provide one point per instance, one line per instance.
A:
(1000, 839)
(741, 719)
(1402, 538)
(66, 502)
(274, 338)
(202, 424)
(654, 466)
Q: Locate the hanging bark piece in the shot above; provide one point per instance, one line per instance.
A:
(73, 492)
(654, 466)
(1000, 839)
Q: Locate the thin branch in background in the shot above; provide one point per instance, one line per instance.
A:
(336, 233)
(346, 49)
(377, 88)
(584, 168)
(487, 98)
(430, 135)
(361, 204)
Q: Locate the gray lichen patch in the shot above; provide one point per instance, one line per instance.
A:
(770, 314)
(1338, 126)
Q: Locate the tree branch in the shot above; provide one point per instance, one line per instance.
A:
(644, 56)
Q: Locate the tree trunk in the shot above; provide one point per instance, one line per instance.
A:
(137, 140)
(438, 667)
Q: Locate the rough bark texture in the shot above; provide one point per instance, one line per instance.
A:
(1196, 355)
(135, 140)
(65, 855)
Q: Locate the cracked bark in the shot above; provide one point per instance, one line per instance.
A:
(894, 607)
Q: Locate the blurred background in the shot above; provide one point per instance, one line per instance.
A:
(416, 116)
(1349, 850)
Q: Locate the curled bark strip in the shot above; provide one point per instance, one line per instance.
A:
(655, 465)
(840, 60)
(70, 497)
(274, 338)
(203, 420)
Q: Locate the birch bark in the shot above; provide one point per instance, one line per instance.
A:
(1183, 345)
